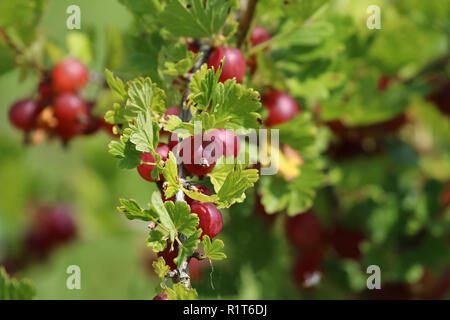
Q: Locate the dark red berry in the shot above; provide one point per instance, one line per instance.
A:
(307, 270)
(72, 113)
(346, 243)
(258, 36)
(51, 226)
(196, 268)
(168, 255)
(69, 75)
(281, 106)
(145, 170)
(163, 296)
(230, 141)
(108, 128)
(198, 154)
(45, 90)
(383, 83)
(211, 220)
(304, 230)
(234, 67)
(23, 114)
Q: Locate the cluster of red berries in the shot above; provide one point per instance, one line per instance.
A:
(50, 228)
(305, 232)
(59, 109)
(198, 154)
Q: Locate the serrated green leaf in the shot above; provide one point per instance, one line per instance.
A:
(213, 250)
(132, 211)
(157, 240)
(160, 267)
(179, 292)
(195, 18)
(145, 134)
(12, 289)
(180, 213)
(125, 151)
(175, 124)
(144, 95)
(164, 216)
(116, 85)
(172, 184)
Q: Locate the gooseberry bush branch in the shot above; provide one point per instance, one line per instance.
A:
(184, 216)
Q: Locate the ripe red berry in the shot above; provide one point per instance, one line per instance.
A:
(93, 123)
(23, 114)
(281, 106)
(211, 220)
(45, 90)
(168, 255)
(234, 67)
(51, 226)
(71, 112)
(201, 189)
(307, 270)
(346, 243)
(196, 268)
(230, 141)
(163, 296)
(258, 36)
(69, 75)
(198, 154)
(145, 170)
(304, 230)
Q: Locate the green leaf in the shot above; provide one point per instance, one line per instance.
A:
(145, 134)
(179, 292)
(200, 196)
(170, 172)
(12, 289)
(195, 18)
(164, 216)
(132, 210)
(144, 95)
(180, 213)
(160, 267)
(116, 85)
(213, 250)
(188, 247)
(157, 240)
(175, 124)
(203, 86)
(125, 151)
(231, 189)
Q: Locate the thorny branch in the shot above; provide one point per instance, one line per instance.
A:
(246, 21)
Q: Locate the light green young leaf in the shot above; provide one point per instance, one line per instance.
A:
(160, 267)
(131, 209)
(170, 172)
(179, 292)
(184, 129)
(200, 196)
(144, 95)
(116, 85)
(180, 213)
(125, 151)
(213, 250)
(203, 86)
(145, 134)
(12, 289)
(164, 216)
(157, 240)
